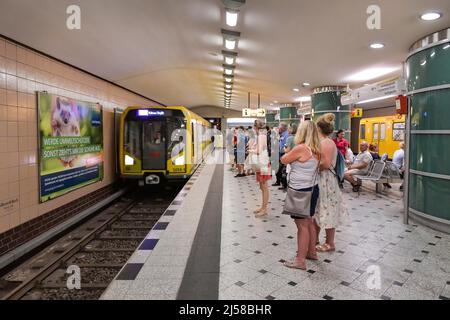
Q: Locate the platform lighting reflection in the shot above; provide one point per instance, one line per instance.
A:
(446, 47)
(430, 16)
(423, 63)
(231, 17)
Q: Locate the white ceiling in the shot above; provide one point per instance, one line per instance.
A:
(169, 50)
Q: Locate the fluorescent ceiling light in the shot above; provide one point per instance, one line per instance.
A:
(230, 44)
(229, 60)
(275, 101)
(377, 99)
(306, 84)
(228, 86)
(371, 73)
(228, 72)
(377, 45)
(431, 16)
(232, 17)
(304, 99)
(228, 80)
(296, 89)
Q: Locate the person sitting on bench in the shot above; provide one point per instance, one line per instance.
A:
(360, 166)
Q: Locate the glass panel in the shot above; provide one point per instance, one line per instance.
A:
(430, 195)
(363, 131)
(375, 132)
(398, 131)
(383, 131)
(133, 138)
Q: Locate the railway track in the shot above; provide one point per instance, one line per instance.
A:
(97, 249)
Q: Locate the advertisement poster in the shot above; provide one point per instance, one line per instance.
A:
(70, 144)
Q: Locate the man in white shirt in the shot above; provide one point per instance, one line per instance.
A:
(360, 166)
(399, 157)
(399, 160)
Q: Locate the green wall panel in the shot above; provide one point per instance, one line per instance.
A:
(430, 196)
(430, 153)
(430, 110)
(289, 115)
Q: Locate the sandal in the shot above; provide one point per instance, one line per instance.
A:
(325, 248)
(294, 265)
(261, 214)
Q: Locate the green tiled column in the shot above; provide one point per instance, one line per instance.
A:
(330, 102)
(289, 115)
(428, 78)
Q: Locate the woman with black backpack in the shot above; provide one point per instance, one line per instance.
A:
(330, 211)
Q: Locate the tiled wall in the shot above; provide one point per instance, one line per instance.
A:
(22, 73)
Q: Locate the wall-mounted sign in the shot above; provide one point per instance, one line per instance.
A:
(254, 113)
(357, 113)
(9, 205)
(70, 145)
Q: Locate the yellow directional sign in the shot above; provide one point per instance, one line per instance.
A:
(358, 113)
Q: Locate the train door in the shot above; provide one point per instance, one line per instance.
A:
(154, 145)
(379, 136)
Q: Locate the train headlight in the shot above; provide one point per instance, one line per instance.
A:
(179, 161)
(129, 161)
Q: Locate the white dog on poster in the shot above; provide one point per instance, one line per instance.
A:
(66, 123)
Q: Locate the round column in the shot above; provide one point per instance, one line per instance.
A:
(270, 120)
(428, 79)
(328, 100)
(289, 115)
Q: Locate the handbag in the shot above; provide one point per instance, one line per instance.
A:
(298, 203)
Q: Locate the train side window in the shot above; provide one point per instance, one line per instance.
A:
(363, 131)
(382, 131)
(398, 132)
(375, 131)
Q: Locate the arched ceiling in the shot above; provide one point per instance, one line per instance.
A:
(170, 50)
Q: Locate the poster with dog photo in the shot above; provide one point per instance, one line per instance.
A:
(70, 144)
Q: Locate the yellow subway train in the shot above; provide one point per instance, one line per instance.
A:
(161, 144)
(387, 132)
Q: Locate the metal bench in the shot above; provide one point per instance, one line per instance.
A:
(375, 174)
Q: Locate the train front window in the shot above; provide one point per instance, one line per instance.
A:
(176, 135)
(133, 138)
